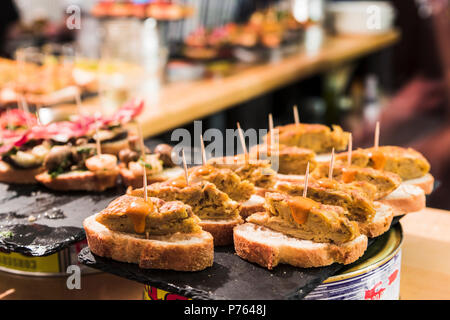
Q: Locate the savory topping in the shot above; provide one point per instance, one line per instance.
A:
(306, 219)
(59, 158)
(225, 180)
(165, 154)
(291, 159)
(258, 172)
(128, 155)
(317, 137)
(206, 200)
(406, 162)
(377, 184)
(132, 214)
(352, 199)
(300, 208)
(101, 163)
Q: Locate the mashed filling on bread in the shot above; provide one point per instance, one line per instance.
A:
(207, 202)
(406, 162)
(317, 137)
(291, 159)
(258, 172)
(383, 181)
(155, 217)
(304, 218)
(352, 199)
(225, 180)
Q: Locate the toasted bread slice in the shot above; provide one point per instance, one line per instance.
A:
(129, 179)
(380, 223)
(180, 252)
(252, 205)
(221, 230)
(405, 199)
(218, 213)
(268, 248)
(426, 183)
(79, 180)
(10, 174)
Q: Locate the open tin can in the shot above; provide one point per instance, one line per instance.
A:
(375, 276)
(52, 265)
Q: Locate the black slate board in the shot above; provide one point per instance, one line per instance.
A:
(46, 236)
(230, 277)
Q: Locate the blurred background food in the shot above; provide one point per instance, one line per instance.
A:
(342, 62)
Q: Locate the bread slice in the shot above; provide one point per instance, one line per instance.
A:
(221, 230)
(252, 205)
(10, 174)
(408, 197)
(426, 183)
(79, 180)
(405, 199)
(323, 157)
(380, 223)
(129, 179)
(268, 248)
(180, 252)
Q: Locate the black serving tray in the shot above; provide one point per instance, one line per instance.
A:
(56, 217)
(36, 221)
(230, 277)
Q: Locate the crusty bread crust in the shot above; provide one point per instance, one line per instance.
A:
(79, 180)
(405, 199)
(426, 183)
(268, 248)
(380, 223)
(9, 174)
(180, 252)
(221, 230)
(115, 147)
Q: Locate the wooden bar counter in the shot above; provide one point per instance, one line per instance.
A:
(184, 102)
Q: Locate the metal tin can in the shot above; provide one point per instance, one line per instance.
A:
(376, 276)
(52, 265)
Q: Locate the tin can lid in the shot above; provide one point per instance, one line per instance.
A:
(382, 250)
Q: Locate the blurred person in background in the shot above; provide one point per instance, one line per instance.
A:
(9, 17)
(420, 110)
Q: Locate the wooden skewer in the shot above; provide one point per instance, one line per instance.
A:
(7, 293)
(271, 131)
(296, 117)
(377, 135)
(24, 105)
(38, 119)
(241, 137)
(8, 119)
(350, 149)
(185, 167)
(202, 145)
(79, 106)
(144, 171)
(330, 172)
(305, 188)
(97, 135)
